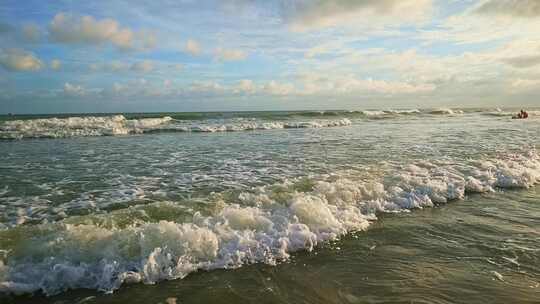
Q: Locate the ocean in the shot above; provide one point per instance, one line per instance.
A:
(380, 206)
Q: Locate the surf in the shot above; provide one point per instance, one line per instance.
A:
(147, 243)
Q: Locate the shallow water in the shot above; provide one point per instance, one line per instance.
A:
(328, 212)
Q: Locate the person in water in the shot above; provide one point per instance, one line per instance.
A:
(523, 114)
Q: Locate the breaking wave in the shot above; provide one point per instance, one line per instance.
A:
(445, 111)
(64, 127)
(119, 125)
(264, 225)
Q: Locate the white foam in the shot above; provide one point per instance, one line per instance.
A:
(404, 112)
(445, 111)
(119, 125)
(389, 113)
(77, 126)
(263, 226)
(373, 113)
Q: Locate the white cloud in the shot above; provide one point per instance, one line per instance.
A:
(193, 47)
(19, 60)
(73, 90)
(55, 64)
(361, 14)
(489, 21)
(229, 54)
(245, 86)
(88, 30)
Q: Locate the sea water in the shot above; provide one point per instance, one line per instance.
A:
(413, 205)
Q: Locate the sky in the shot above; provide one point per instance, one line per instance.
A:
(228, 55)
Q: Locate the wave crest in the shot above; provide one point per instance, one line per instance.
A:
(119, 125)
(261, 226)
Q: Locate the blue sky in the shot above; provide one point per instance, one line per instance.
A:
(116, 56)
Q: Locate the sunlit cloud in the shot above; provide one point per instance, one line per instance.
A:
(67, 28)
(19, 60)
(363, 14)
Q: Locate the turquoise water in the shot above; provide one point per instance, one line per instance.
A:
(424, 206)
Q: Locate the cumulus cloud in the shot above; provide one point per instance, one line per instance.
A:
(306, 15)
(66, 28)
(193, 47)
(55, 64)
(246, 86)
(73, 90)
(19, 60)
(229, 54)
(514, 8)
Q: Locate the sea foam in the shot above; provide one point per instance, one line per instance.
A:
(119, 125)
(264, 225)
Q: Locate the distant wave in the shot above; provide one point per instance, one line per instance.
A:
(119, 125)
(63, 127)
(445, 111)
(265, 225)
